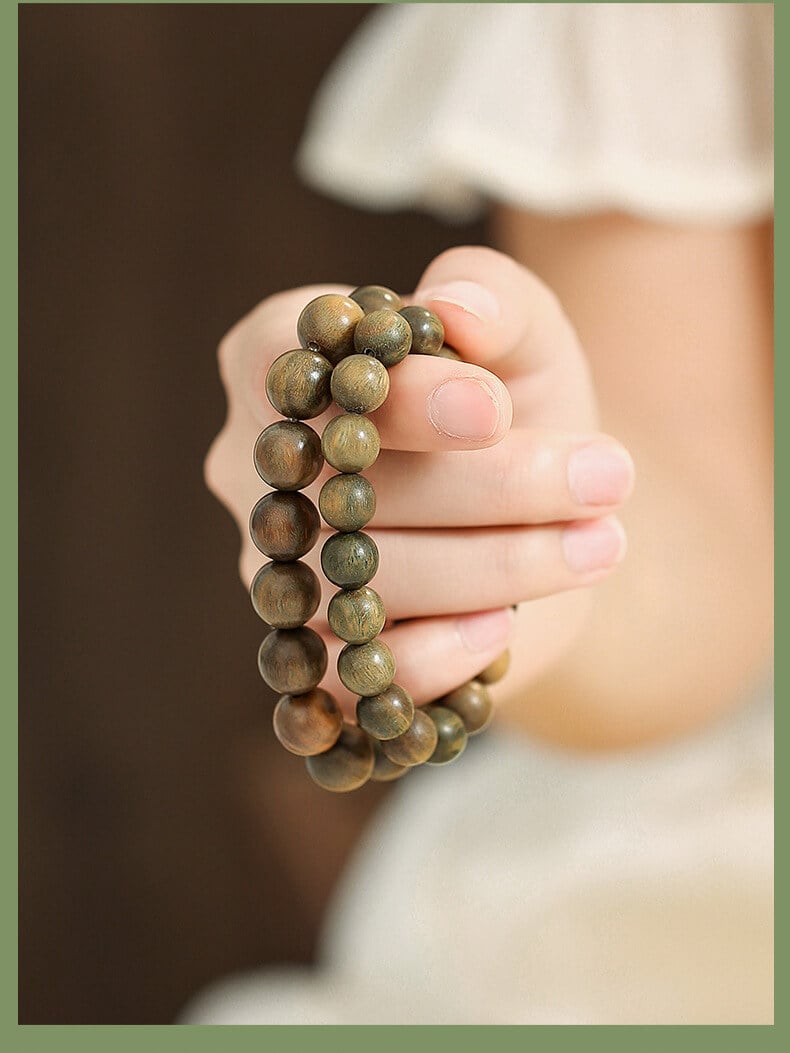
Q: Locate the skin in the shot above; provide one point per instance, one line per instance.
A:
(674, 635)
(677, 325)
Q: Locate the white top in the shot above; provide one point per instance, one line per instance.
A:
(522, 885)
(664, 110)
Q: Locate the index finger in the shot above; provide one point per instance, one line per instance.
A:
(434, 404)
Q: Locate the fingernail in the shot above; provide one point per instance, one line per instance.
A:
(464, 408)
(482, 632)
(593, 546)
(469, 296)
(600, 474)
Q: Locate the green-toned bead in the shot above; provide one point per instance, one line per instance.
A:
(387, 714)
(451, 734)
(350, 442)
(366, 669)
(384, 334)
(327, 325)
(473, 705)
(286, 595)
(356, 615)
(347, 765)
(360, 384)
(308, 724)
(427, 331)
(347, 502)
(447, 352)
(385, 770)
(376, 298)
(416, 745)
(284, 525)
(350, 560)
(496, 670)
(292, 661)
(297, 384)
(288, 455)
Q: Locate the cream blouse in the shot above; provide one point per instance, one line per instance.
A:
(659, 109)
(524, 885)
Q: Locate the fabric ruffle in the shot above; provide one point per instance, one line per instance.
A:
(661, 110)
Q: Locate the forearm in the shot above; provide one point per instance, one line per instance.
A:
(677, 325)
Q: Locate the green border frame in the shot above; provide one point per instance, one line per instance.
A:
(381, 1038)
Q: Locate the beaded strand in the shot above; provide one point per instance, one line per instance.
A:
(348, 345)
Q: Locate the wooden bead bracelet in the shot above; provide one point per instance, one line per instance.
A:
(348, 343)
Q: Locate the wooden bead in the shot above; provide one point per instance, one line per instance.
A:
(288, 455)
(350, 560)
(297, 384)
(356, 615)
(292, 661)
(473, 705)
(447, 352)
(385, 770)
(427, 331)
(286, 595)
(308, 724)
(347, 765)
(366, 669)
(494, 672)
(376, 297)
(350, 442)
(360, 384)
(451, 735)
(347, 502)
(327, 325)
(385, 335)
(387, 714)
(284, 525)
(416, 745)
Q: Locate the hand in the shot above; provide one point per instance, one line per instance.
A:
(493, 485)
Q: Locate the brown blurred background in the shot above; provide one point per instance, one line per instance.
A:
(166, 839)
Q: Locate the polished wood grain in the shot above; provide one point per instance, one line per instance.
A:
(347, 502)
(367, 668)
(292, 661)
(416, 745)
(384, 334)
(447, 352)
(385, 770)
(360, 384)
(347, 765)
(451, 734)
(350, 442)
(496, 670)
(472, 703)
(297, 384)
(350, 560)
(427, 331)
(327, 325)
(287, 455)
(376, 297)
(307, 724)
(356, 615)
(386, 714)
(286, 595)
(284, 526)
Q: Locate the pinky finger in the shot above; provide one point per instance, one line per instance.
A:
(433, 655)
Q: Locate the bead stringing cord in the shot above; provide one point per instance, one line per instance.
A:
(348, 345)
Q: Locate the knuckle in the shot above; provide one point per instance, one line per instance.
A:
(214, 474)
(512, 558)
(516, 481)
(227, 354)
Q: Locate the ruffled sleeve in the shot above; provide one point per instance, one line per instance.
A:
(662, 110)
